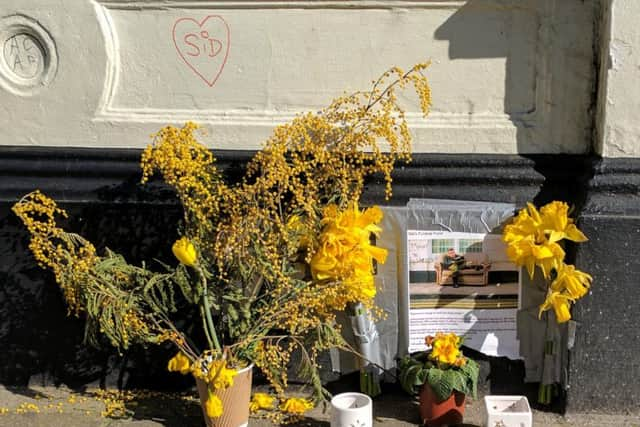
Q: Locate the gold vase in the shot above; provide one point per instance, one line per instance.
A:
(235, 400)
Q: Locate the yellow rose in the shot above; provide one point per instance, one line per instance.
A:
(261, 401)
(213, 406)
(179, 363)
(296, 406)
(186, 253)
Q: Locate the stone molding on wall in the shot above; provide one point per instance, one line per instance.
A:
(503, 72)
(244, 121)
(84, 175)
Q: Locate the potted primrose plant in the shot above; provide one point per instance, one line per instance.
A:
(442, 377)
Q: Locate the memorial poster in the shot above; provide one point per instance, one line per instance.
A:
(462, 282)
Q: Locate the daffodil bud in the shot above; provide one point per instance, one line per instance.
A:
(186, 253)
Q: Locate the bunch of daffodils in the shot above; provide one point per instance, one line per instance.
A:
(215, 373)
(345, 252)
(534, 240)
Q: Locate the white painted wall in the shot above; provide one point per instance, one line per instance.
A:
(508, 76)
(619, 94)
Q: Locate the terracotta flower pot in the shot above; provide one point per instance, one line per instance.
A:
(235, 400)
(435, 413)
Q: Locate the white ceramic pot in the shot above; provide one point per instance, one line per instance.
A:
(351, 410)
(507, 411)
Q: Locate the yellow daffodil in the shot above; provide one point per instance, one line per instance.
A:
(296, 406)
(526, 225)
(532, 237)
(179, 363)
(184, 250)
(345, 253)
(558, 225)
(573, 282)
(526, 252)
(261, 401)
(560, 304)
(532, 240)
(213, 405)
(219, 376)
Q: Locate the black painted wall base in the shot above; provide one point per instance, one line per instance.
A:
(106, 204)
(604, 364)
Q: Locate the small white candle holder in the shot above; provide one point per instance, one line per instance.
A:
(507, 411)
(351, 410)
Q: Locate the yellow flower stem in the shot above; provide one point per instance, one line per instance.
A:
(209, 328)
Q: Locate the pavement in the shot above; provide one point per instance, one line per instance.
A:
(60, 407)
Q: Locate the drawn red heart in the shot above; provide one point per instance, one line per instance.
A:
(203, 46)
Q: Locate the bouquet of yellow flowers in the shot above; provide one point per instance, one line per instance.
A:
(534, 240)
(266, 261)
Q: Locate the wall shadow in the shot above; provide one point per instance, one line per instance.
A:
(494, 29)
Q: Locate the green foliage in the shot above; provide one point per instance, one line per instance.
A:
(417, 370)
(116, 294)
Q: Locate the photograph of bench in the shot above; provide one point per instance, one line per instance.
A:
(475, 271)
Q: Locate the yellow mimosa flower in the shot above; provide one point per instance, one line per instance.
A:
(296, 226)
(213, 405)
(296, 405)
(261, 401)
(186, 253)
(179, 363)
(219, 375)
(572, 281)
(560, 304)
